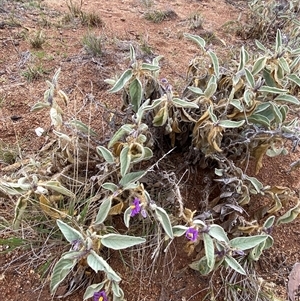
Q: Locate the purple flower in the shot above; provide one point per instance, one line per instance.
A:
(100, 296)
(191, 234)
(135, 207)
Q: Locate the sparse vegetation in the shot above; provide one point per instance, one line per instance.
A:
(34, 72)
(93, 44)
(37, 40)
(93, 198)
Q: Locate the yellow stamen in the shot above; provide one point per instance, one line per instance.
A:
(190, 234)
(101, 299)
(132, 206)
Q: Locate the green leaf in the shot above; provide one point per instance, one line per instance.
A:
(244, 56)
(123, 130)
(97, 263)
(212, 115)
(106, 154)
(210, 89)
(278, 44)
(179, 230)
(273, 90)
(136, 93)
(287, 98)
(69, 233)
(149, 67)
(196, 90)
(119, 242)
(261, 46)
(289, 216)
(259, 119)
(164, 219)
(234, 265)
(61, 270)
(230, 123)
(198, 40)
(249, 242)
(121, 82)
(218, 233)
(209, 250)
(256, 184)
(284, 64)
(94, 288)
(250, 78)
(132, 54)
(103, 211)
(125, 160)
(215, 62)
(180, 103)
(80, 126)
(269, 222)
(40, 105)
(56, 186)
(110, 186)
(277, 113)
(294, 78)
(259, 65)
(203, 267)
(132, 177)
(127, 214)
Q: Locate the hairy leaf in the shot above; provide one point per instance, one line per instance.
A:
(136, 93)
(164, 219)
(245, 243)
(121, 82)
(119, 242)
(69, 233)
(234, 265)
(198, 40)
(209, 250)
(94, 288)
(103, 211)
(106, 154)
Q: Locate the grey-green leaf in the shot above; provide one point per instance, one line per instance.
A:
(209, 250)
(106, 154)
(218, 233)
(127, 214)
(132, 177)
(231, 124)
(61, 270)
(150, 67)
(110, 186)
(97, 263)
(136, 93)
(164, 219)
(259, 65)
(119, 242)
(249, 242)
(103, 211)
(125, 159)
(69, 233)
(94, 288)
(287, 98)
(121, 82)
(179, 230)
(56, 186)
(184, 104)
(234, 265)
(273, 90)
(198, 40)
(215, 62)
